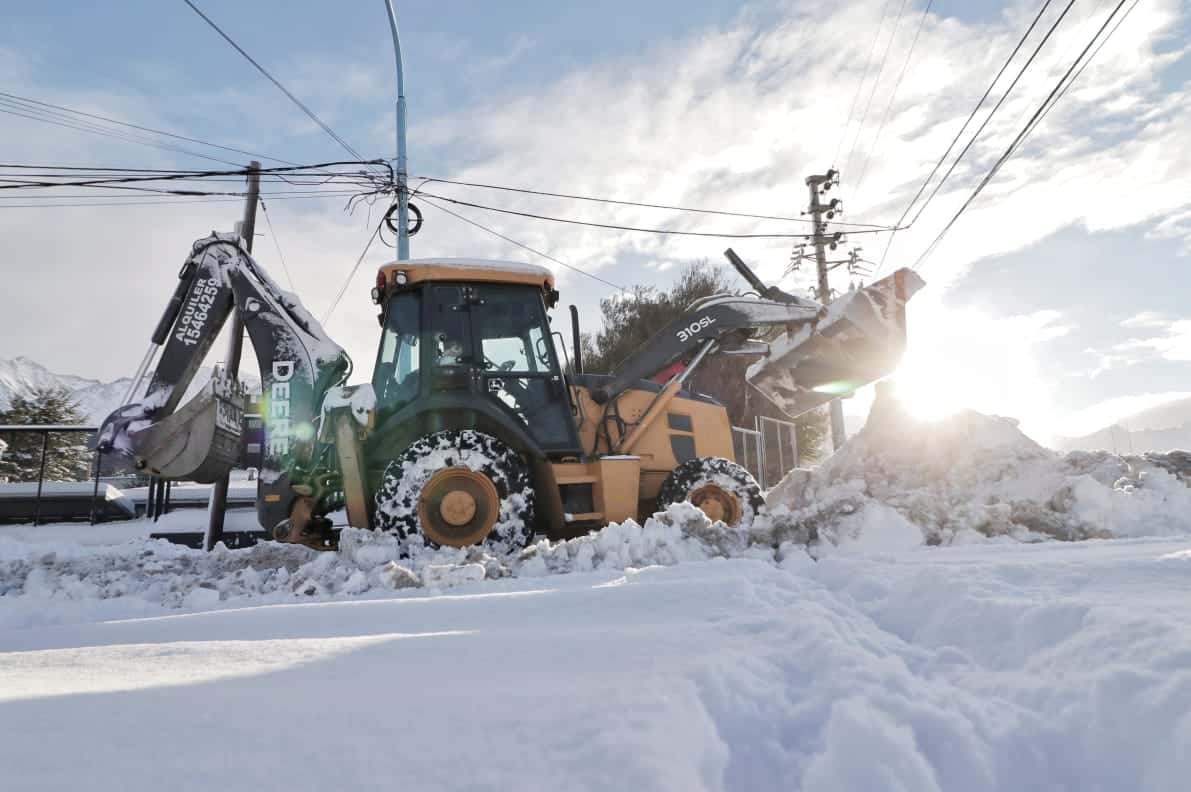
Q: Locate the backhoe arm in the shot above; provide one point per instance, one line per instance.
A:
(298, 365)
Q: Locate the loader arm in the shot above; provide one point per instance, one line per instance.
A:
(826, 351)
(299, 363)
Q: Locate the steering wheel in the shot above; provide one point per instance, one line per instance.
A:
(506, 366)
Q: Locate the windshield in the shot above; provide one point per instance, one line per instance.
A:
(396, 378)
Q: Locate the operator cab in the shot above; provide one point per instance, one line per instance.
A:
(456, 326)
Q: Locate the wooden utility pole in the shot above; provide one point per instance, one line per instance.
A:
(217, 505)
(818, 184)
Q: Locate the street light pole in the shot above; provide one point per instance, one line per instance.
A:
(402, 172)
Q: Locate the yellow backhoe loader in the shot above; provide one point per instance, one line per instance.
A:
(472, 430)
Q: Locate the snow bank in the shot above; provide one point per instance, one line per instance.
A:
(1054, 666)
(969, 477)
(64, 580)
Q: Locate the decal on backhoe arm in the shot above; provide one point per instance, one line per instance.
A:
(694, 328)
(198, 308)
(279, 395)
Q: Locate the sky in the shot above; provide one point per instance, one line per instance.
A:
(1056, 298)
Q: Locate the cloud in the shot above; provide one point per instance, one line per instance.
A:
(1146, 319)
(1174, 344)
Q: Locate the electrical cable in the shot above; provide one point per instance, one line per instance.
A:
(570, 196)
(1042, 110)
(864, 76)
(615, 227)
(963, 152)
(987, 92)
(523, 246)
(347, 281)
(142, 128)
(876, 83)
(164, 201)
(113, 134)
(190, 175)
(889, 105)
(277, 245)
(310, 113)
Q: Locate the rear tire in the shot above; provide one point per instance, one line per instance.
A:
(436, 456)
(719, 487)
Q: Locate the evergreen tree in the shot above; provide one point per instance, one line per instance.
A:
(67, 457)
(629, 322)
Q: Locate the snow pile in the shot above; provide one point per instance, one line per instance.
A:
(901, 481)
(137, 577)
(1052, 666)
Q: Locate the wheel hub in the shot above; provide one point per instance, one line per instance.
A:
(458, 507)
(717, 503)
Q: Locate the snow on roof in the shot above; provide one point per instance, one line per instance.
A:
(475, 263)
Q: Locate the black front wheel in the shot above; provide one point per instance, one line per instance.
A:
(458, 488)
(720, 488)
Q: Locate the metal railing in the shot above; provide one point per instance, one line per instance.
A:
(779, 449)
(158, 501)
(746, 443)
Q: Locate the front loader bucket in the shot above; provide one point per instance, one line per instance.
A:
(859, 340)
(199, 442)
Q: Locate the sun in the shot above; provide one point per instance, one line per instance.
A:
(930, 390)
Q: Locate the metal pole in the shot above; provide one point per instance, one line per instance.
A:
(402, 168)
(158, 499)
(45, 448)
(217, 505)
(820, 240)
(95, 490)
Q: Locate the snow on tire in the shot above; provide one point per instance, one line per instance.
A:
(405, 477)
(697, 474)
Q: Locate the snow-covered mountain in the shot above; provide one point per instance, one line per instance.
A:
(20, 376)
(1163, 428)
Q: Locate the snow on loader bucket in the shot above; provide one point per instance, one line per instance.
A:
(858, 340)
(199, 442)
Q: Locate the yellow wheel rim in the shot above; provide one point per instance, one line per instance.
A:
(717, 503)
(458, 507)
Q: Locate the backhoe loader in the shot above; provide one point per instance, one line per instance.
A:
(472, 430)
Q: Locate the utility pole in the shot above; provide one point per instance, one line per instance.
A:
(818, 184)
(235, 348)
(402, 167)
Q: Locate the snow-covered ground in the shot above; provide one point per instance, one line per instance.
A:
(678, 655)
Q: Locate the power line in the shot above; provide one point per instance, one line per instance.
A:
(980, 130)
(272, 79)
(428, 179)
(165, 193)
(277, 244)
(347, 281)
(142, 128)
(189, 175)
(1042, 110)
(987, 92)
(164, 201)
(889, 105)
(864, 76)
(876, 82)
(523, 246)
(616, 227)
(94, 129)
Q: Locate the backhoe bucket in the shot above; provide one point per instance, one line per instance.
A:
(199, 442)
(859, 340)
